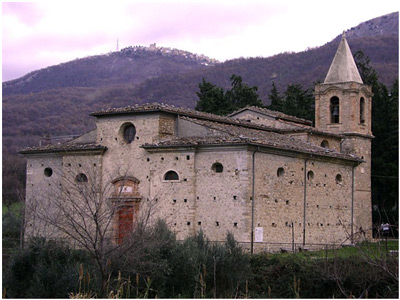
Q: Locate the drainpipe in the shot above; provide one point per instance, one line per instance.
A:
(352, 204)
(305, 202)
(253, 199)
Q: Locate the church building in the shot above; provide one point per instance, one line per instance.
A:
(262, 175)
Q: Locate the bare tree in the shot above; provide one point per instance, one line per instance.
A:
(83, 208)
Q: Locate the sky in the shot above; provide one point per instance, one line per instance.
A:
(39, 34)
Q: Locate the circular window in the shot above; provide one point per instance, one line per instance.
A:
(339, 178)
(48, 172)
(280, 172)
(310, 175)
(81, 178)
(128, 132)
(217, 168)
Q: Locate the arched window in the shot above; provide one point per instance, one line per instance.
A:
(128, 132)
(334, 109)
(126, 186)
(339, 179)
(171, 175)
(280, 172)
(81, 177)
(325, 144)
(310, 175)
(217, 167)
(362, 110)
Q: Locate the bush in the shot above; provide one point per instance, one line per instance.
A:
(294, 276)
(44, 269)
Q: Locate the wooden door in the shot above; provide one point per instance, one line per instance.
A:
(125, 222)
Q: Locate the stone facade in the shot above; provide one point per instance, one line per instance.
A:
(264, 176)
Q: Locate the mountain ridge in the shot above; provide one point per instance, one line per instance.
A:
(64, 110)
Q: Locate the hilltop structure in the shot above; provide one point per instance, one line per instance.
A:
(265, 176)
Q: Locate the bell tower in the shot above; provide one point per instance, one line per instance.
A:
(343, 105)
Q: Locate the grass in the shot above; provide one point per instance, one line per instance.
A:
(375, 249)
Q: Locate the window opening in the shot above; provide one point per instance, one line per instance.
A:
(171, 175)
(280, 172)
(334, 108)
(217, 167)
(310, 175)
(128, 132)
(48, 172)
(339, 178)
(362, 110)
(325, 144)
(81, 177)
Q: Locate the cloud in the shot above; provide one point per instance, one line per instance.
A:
(51, 32)
(28, 13)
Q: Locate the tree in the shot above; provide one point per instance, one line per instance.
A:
(213, 99)
(296, 101)
(242, 95)
(384, 166)
(83, 210)
(276, 100)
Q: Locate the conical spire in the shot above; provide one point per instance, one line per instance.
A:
(343, 67)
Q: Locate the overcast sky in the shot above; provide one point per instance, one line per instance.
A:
(44, 33)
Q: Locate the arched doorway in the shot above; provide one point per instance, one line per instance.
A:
(126, 199)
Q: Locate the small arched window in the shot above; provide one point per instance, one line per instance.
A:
(325, 144)
(310, 175)
(81, 177)
(217, 167)
(128, 132)
(362, 110)
(171, 175)
(334, 109)
(339, 179)
(280, 172)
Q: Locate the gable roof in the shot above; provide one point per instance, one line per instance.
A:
(180, 111)
(238, 135)
(274, 114)
(343, 67)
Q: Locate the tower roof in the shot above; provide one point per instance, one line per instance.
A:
(343, 67)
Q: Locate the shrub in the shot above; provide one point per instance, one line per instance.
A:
(44, 269)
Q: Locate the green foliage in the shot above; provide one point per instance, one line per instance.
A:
(276, 100)
(11, 232)
(295, 102)
(202, 269)
(44, 269)
(295, 276)
(198, 268)
(385, 152)
(242, 95)
(213, 99)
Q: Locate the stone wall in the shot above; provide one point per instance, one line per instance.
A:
(281, 196)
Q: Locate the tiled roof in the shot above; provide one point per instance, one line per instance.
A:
(273, 113)
(156, 107)
(239, 135)
(66, 147)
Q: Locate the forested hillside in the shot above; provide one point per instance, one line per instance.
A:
(58, 99)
